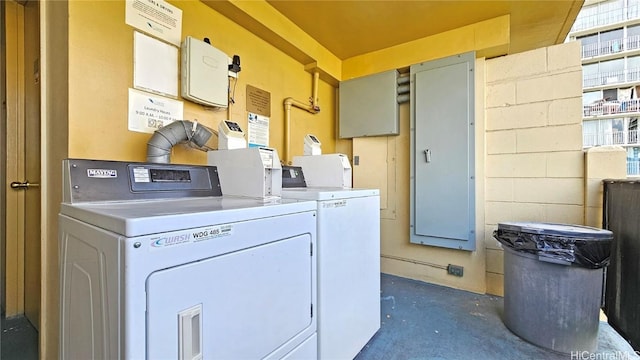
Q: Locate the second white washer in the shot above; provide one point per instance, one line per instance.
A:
(348, 268)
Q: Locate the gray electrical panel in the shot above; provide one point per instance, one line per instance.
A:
(369, 106)
(443, 152)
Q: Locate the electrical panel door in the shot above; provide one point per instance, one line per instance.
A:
(369, 106)
(442, 153)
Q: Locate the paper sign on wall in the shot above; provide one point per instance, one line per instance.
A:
(258, 130)
(155, 17)
(155, 65)
(148, 113)
(258, 101)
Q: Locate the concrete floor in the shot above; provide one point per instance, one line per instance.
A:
(419, 321)
(425, 321)
(19, 339)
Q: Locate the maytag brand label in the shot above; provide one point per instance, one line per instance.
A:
(102, 173)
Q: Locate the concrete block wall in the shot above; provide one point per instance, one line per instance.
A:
(605, 162)
(534, 169)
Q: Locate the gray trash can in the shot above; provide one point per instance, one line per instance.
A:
(553, 278)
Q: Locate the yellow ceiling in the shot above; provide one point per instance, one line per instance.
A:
(350, 28)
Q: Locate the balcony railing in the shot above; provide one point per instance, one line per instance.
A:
(604, 18)
(633, 166)
(611, 46)
(611, 107)
(629, 137)
(608, 78)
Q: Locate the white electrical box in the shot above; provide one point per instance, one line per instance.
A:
(230, 136)
(252, 172)
(330, 170)
(312, 145)
(204, 73)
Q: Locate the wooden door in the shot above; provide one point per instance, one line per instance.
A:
(22, 212)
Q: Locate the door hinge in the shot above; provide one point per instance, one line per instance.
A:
(311, 249)
(312, 311)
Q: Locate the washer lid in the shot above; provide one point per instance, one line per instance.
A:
(559, 230)
(138, 218)
(327, 193)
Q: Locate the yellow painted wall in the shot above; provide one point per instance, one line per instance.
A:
(101, 71)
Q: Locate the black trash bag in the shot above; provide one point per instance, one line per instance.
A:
(581, 245)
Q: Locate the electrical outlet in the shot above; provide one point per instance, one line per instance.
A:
(455, 270)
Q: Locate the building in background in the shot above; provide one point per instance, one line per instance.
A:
(609, 32)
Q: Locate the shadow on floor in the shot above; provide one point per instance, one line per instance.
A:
(426, 321)
(19, 339)
(419, 321)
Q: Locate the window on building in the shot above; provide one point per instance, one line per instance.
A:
(589, 45)
(611, 41)
(612, 71)
(591, 97)
(603, 132)
(633, 37)
(632, 9)
(633, 161)
(610, 94)
(617, 131)
(590, 132)
(633, 131)
(633, 68)
(610, 12)
(587, 17)
(590, 75)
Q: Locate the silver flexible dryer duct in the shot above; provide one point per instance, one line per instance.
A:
(181, 131)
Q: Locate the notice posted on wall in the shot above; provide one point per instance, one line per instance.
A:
(258, 130)
(155, 65)
(258, 101)
(155, 17)
(148, 112)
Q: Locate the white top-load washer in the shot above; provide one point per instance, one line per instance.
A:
(155, 264)
(348, 261)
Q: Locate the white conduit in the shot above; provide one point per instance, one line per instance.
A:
(404, 89)
(312, 108)
(403, 79)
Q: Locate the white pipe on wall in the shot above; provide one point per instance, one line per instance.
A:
(311, 108)
(403, 79)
